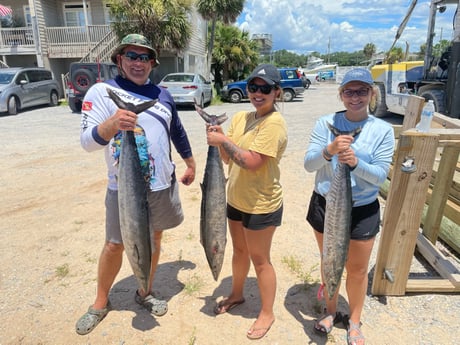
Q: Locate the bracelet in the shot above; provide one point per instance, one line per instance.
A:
(327, 156)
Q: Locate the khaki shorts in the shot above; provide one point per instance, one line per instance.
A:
(165, 212)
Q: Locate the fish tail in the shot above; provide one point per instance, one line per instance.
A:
(338, 132)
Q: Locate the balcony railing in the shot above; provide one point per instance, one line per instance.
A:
(74, 41)
(60, 42)
(14, 37)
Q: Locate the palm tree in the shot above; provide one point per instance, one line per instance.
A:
(227, 11)
(396, 54)
(369, 50)
(164, 22)
(234, 54)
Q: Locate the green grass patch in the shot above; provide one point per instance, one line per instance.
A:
(193, 285)
(295, 265)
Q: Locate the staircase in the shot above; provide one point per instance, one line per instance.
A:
(103, 50)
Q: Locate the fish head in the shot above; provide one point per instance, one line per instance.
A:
(217, 260)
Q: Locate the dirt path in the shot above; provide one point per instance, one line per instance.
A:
(52, 230)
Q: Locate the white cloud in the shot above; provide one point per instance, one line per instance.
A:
(309, 25)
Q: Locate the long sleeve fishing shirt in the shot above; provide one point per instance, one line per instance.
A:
(373, 146)
(157, 127)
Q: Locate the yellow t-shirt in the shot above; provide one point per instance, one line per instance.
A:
(257, 192)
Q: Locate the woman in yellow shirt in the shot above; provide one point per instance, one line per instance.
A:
(252, 149)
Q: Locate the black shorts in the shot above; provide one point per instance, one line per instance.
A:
(365, 220)
(255, 221)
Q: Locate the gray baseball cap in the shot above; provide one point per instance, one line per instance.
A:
(357, 74)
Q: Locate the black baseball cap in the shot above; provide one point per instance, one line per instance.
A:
(267, 73)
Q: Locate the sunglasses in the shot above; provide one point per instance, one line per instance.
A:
(132, 56)
(360, 93)
(265, 89)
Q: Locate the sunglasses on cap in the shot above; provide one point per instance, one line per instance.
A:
(265, 89)
(144, 57)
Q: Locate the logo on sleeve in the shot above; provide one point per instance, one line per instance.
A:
(87, 106)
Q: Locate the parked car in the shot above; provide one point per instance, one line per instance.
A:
(188, 88)
(83, 75)
(325, 75)
(291, 83)
(23, 87)
(305, 81)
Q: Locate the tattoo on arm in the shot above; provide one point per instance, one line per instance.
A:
(235, 154)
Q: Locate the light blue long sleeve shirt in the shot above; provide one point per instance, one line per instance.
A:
(373, 146)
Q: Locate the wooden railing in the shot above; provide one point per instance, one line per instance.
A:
(75, 41)
(102, 51)
(10, 37)
(63, 42)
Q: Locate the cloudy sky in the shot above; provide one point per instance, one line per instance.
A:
(303, 26)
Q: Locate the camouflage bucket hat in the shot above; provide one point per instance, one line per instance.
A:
(134, 40)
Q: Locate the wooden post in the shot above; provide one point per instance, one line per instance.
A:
(403, 211)
(442, 185)
(414, 109)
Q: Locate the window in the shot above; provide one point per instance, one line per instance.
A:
(74, 14)
(290, 75)
(27, 16)
(107, 17)
(21, 76)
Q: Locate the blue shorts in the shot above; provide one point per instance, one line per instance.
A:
(365, 220)
(165, 212)
(255, 221)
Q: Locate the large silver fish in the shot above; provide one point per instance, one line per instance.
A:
(337, 223)
(132, 200)
(213, 221)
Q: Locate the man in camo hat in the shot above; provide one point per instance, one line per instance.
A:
(155, 128)
(138, 41)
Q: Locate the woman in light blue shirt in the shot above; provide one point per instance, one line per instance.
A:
(368, 154)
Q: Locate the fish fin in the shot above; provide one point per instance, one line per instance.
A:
(139, 108)
(117, 100)
(338, 132)
(211, 119)
(204, 115)
(221, 118)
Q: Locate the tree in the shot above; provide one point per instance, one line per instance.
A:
(234, 55)
(213, 10)
(441, 47)
(395, 54)
(369, 50)
(163, 22)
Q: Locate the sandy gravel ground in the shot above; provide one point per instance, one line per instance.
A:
(52, 230)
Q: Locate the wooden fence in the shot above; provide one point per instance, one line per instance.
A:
(412, 202)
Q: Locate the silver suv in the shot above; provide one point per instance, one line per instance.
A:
(23, 87)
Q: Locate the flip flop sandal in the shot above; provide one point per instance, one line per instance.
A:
(355, 339)
(91, 319)
(225, 306)
(258, 333)
(154, 306)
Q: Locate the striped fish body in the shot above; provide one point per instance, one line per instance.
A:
(133, 208)
(213, 221)
(132, 199)
(337, 223)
